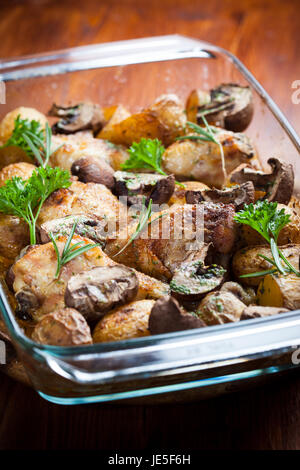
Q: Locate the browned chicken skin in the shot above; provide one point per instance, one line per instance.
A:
(163, 251)
(39, 293)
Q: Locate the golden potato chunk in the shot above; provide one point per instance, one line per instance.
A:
(164, 120)
(65, 327)
(289, 234)
(129, 321)
(279, 291)
(247, 261)
(7, 124)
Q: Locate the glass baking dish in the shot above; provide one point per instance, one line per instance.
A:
(177, 366)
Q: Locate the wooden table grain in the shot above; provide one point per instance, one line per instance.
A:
(265, 35)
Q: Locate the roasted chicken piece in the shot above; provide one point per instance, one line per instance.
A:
(199, 160)
(23, 170)
(38, 292)
(170, 237)
(91, 199)
(82, 144)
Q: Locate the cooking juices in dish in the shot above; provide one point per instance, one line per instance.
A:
(117, 225)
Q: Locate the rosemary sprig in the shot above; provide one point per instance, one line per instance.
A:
(68, 252)
(208, 135)
(143, 219)
(41, 149)
(21, 128)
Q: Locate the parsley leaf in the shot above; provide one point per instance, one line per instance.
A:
(145, 154)
(22, 127)
(24, 199)
(266, 219)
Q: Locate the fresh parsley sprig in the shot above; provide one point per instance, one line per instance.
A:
(266, 219)
(69, 251)
(24, 199)
(146, 154)
(22, 128)
(30, 137)
(209, 134)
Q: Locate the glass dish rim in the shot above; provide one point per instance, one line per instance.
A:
(178, 47)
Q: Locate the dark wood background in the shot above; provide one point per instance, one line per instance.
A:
(265, 35)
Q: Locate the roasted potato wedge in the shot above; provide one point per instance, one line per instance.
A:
(129, 321)
(247, 261)
(7, 124)
(220, 307)
(164, 120)
(289, 234)
(279, 291)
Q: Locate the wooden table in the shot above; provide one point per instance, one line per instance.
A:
(265, 35)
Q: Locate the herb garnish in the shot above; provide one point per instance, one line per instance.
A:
(30, 137)
(147, 153)
(266, 219)
(208, 135)
(25, 127)
(40, 148)
(145, 214)
(68, 252)
(24, 199)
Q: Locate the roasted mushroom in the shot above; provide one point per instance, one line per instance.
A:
(236, 195)
(95, 292)
(256, 311)
(167, 316)
(229, 106)
(275, 186)
(93, 170)
(192, 280)
(246, 295)
(76, 118)
(64, 327)
(86, 227)
(220, 307)
(136, 186)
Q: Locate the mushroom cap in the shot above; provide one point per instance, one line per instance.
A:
(95, 292)
(166, 316)
(93, 170)
(86, 227)
(257, 311)
(135, 186)
(192, 280)
(277, 185)
(236, 195)
(76, 118)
